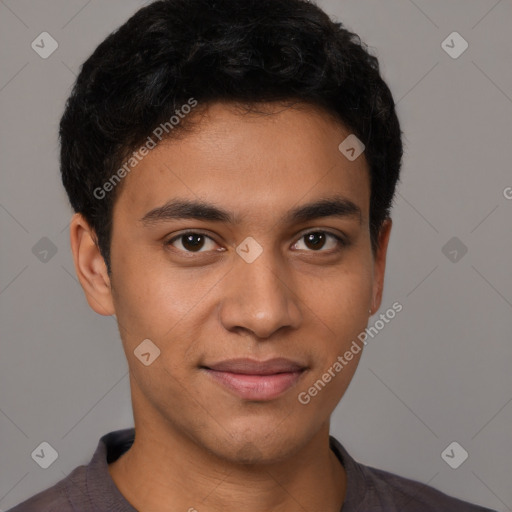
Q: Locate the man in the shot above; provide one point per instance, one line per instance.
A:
(232, 166)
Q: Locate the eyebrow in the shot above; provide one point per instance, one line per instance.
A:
(179, 209)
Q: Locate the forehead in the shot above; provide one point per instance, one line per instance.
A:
(252, 163)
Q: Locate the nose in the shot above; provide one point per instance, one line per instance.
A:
(259, 298)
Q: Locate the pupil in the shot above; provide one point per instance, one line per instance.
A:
(190, 244)
(316, 240)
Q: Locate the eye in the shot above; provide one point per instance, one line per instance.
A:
(191, 242)
(316, 240)
(194, 242)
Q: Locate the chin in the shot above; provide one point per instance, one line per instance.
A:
(250, 446)
(252, 453)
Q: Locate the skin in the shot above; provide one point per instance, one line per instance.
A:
(199, 446)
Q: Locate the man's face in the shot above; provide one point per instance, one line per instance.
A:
(193, 287)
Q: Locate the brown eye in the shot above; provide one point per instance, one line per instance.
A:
(190, 242)
(317, 240)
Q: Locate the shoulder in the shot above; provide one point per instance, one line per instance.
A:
(57, 497)
(375, 490)
(88, 488)
(390, 490)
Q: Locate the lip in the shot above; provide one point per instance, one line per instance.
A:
(256, 380)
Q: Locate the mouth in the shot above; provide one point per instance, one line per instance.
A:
(255, 380)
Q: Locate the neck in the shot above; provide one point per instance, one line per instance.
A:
(167, 472)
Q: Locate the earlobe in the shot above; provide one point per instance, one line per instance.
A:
(380, 263)
(90, 266)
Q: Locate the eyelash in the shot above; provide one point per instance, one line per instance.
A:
(341, 241)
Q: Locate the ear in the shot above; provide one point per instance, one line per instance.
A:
(380, 264)
(90, 266)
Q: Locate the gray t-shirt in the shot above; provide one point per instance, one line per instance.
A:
(91, 489)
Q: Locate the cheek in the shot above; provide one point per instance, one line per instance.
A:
(342, 301)
(340, 315)
(148, 293)
(169, 306)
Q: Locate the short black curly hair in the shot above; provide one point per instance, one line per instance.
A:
(241, 51)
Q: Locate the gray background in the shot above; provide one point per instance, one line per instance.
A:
(439, 372)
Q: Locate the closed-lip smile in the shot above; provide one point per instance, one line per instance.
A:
(251, 379)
